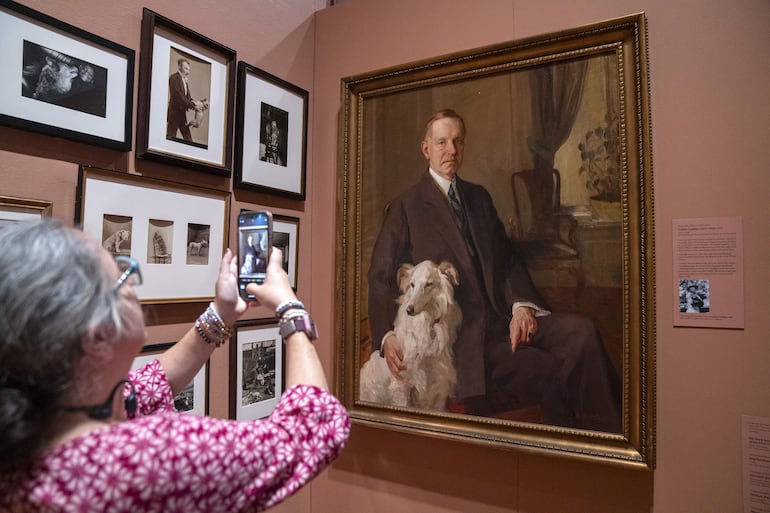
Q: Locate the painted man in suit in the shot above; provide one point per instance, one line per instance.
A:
(179, 102)
(511, 350)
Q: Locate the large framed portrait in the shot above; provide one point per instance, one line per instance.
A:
(194, 397)
(63, 81)
(178, 233)
(257, 365)
(185, 114)
(14, 210)
(270, 134)
(518, 276)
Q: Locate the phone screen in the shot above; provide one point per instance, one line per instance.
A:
(255, 239)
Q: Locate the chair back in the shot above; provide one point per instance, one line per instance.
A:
(536, 200)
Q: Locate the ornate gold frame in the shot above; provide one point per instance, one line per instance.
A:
(623, 41)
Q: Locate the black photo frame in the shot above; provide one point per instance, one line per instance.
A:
(184, 125)
(63, 81)
(271, 134)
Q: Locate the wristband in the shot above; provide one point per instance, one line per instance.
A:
(286, 306)
(297, 323)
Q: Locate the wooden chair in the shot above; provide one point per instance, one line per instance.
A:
(545, 236)
(159, 248)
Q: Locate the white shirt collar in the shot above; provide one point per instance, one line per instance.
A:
(442, 182)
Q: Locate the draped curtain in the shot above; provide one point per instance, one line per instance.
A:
(556, 92)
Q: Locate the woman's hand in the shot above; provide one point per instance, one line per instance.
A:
(227, 301)
(276, 288)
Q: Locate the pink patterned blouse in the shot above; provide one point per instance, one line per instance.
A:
(169, 462)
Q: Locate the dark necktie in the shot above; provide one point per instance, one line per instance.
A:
(460, 214)
(456, 206)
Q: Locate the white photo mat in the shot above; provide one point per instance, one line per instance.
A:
(112, 130)
(214, 153)
(212, 77)
(145, 199)
(257, 89)
(195, 392)
(248, 401)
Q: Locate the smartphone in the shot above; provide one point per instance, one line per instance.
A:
(255, 242)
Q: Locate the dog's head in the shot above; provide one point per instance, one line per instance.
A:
(427, 286)
(121, 235)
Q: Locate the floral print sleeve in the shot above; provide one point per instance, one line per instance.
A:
(152, 389)
(176, 462)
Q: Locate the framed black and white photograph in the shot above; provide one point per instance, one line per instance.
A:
(194, 397)
(62, 81)
(256, 369)
(176, 232)
(14, 210)
(286, 238)
(185, 113)
(271, 134)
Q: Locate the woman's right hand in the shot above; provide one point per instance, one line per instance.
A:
(276, 288)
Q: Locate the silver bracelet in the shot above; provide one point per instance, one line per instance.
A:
(286, 306)
(291, 314)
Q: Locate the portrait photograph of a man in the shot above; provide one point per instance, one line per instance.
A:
(189, 90)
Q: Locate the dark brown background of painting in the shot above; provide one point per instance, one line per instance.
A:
(498, 117)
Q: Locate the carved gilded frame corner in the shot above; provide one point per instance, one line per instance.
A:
(382, 119)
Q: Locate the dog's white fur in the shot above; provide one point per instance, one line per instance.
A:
(113, 242)
(195, 247)
(426, 324)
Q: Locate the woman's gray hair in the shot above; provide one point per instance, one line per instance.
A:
(54, 292)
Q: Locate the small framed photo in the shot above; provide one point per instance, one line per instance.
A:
(14, 210)
(185, 113)
(257, 364)
(271, 134)
(63, 81)
(176, 232)
(194, 398)
(286, 238)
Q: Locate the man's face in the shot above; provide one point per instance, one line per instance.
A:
(443, 147)
(184, 69)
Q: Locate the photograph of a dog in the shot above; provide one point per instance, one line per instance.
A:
(198, 243)
(426, 324)
(116, 234)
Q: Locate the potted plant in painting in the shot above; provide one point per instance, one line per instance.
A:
(601, 170)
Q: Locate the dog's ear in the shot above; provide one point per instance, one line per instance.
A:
(403, 276)
(449, 270)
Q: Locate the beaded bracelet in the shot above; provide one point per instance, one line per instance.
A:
(286, 306)
(292, 314)
(212, 328)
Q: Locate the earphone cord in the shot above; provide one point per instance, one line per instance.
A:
(104, 410)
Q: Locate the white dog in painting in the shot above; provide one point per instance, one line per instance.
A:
(426, 324)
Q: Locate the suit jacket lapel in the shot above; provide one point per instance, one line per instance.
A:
(446, 223)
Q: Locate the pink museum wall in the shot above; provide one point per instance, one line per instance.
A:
(710, 112)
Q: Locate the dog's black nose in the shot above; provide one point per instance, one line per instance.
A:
(410, 310)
